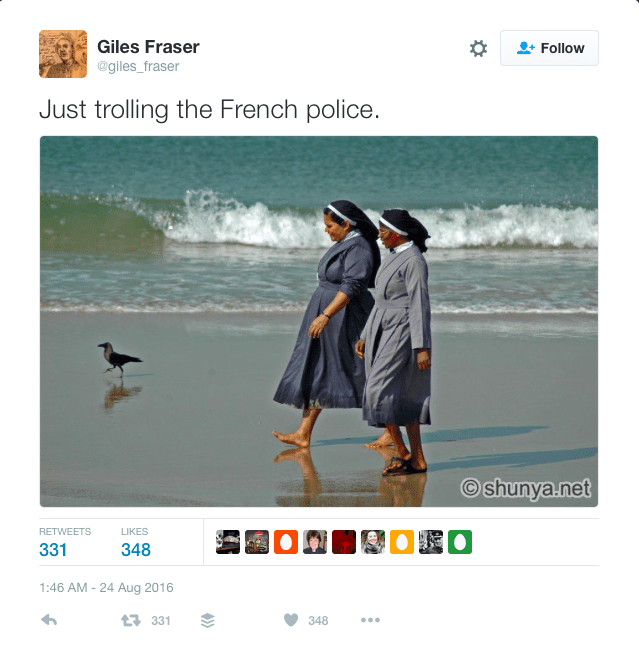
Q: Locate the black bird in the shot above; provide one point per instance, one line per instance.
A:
(115, 359)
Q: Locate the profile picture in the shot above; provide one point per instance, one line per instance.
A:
(431, 541)
(256, 542)
(315, 541)
(343, 542)
(285, 542)
(373, 542)
(227, 542)
(63, 53)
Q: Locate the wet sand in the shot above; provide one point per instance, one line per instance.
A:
(191, 426)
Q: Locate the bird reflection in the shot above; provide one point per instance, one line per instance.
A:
(117, 392)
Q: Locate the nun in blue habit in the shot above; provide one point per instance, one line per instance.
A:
(324, 370)
(396, 343)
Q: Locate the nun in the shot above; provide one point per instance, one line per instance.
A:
(324, 370)
(396, 343)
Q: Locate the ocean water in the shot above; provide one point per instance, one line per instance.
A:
(234, 225)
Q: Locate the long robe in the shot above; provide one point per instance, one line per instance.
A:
(325, 372)
(396, 392)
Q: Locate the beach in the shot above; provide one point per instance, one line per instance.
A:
(191, 425)
(199, 256)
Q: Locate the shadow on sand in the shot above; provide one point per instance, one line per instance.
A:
(520, 459)
(448, 435)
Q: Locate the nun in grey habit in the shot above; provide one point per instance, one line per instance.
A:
(396, 343)
(324, 371)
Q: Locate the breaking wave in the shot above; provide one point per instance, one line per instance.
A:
(203, 217)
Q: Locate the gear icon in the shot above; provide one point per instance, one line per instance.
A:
(478, 48)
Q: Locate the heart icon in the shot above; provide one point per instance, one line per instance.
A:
(291, 619)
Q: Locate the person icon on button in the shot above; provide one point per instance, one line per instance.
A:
(524, 48)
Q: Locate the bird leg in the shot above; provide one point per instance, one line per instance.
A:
(108, 369)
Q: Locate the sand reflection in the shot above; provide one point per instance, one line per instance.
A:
(351, 489)
(311, 486)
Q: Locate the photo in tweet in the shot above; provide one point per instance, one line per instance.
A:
(187, 282)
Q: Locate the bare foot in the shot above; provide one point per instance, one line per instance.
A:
(418, 463)
(386, 453)
(384, 440)
(297, 438)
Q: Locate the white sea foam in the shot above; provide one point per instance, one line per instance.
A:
(208, 218)
(167, 307)
(513, 225)
(286, 307)
(211, 219)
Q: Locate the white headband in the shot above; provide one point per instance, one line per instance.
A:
(395, 229)
(341, 215)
